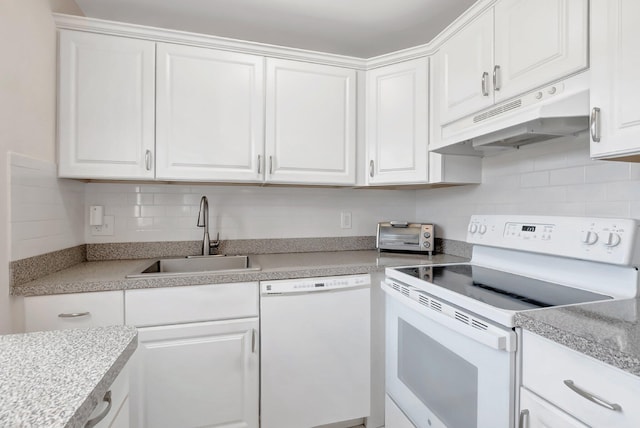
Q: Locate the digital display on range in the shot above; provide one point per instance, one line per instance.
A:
(528, 228)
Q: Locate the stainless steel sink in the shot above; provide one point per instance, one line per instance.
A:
(191, 265)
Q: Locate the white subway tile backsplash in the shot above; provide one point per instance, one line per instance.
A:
(603, 171)
(535, 179)
(573, 175)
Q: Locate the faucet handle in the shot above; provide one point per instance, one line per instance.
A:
(216, 243)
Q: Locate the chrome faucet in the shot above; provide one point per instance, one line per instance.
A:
(208, 247)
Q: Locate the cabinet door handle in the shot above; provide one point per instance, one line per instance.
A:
(147, 160)
(371, 165)
(253, 340)
(270, 164)
(73, 314)
(496, 78)
(93, 422)
(593, 398)
(524, 418)
(485, 87)
(259, 163)
(595, 124)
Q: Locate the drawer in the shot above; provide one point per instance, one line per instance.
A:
(538, 413)
(79, 310)
(177, 305)
(118, 414)
(546, 366)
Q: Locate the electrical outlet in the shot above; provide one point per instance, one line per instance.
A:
(106, 229)
(345, 220)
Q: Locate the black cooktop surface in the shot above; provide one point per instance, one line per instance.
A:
(501, 289)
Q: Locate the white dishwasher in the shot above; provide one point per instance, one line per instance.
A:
(315, 351)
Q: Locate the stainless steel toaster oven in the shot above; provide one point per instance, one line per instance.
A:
(405, 236)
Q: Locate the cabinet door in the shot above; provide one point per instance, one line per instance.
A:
(538, 413)
(106, 106)
(77, 310)
(196, 375)
(462, 71)
(537, 42)
(615, 87)
(310, 123)
(397, 123)
(210, 114)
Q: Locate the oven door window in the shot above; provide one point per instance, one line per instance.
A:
(442, 380)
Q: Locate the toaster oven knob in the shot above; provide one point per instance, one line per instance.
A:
(427, 235)
(426, 245)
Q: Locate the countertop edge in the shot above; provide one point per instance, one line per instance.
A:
(83, 412)
(594, 349)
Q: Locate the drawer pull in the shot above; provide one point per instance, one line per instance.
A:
(593, 398)
(74, 315)
(93, 422)
(524, 417)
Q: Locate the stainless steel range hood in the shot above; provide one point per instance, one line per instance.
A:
(555, 111)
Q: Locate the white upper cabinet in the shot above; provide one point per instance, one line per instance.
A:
(397, 123)
(310, 123)
(512, 48)
(462, 70)
(615, 85)
(210, 114)
(537, 42)
(106, 106)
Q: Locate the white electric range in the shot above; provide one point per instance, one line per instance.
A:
(451, 346)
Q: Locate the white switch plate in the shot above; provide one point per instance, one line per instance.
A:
(106, 229)
(345, 220)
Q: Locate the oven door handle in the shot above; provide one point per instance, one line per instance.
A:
(493, 337)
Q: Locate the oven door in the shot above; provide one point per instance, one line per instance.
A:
(442, 372)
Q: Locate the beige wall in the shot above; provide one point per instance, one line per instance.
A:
(27, 108)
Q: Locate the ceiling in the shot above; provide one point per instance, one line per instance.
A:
(360, 28)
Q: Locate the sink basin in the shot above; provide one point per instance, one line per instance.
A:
(191, 265)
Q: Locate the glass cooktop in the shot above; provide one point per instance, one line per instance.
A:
(501, 289)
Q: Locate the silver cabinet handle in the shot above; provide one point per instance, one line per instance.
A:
(371, 165)
(270, 164)
(73, 314)
(524, 418)
(253, 340)
(485, 87)
(147, 160)
(93, 422)
(259, 163)
(595, 124)
(496, 77)
(593, 398)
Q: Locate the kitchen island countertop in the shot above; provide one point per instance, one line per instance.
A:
(57, 378)
(607, 331)
(110, 275)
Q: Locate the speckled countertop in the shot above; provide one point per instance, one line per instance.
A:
(57, 378)
(110, 275)
(607, 331)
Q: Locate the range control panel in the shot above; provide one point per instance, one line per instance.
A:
(606, 240)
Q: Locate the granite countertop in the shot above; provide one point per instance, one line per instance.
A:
(607, 331)
(110, 275)
(57, 378)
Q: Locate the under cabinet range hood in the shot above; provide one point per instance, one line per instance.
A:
(557, 110)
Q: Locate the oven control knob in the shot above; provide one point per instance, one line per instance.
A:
(482, 229)
(590, 237)
(427, 244)
(473, 228)
(613, 240)
(427, 235)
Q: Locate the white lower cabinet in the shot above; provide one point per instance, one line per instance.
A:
(197, 362)
(393, 416)
(564, 388)
(196, 375)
